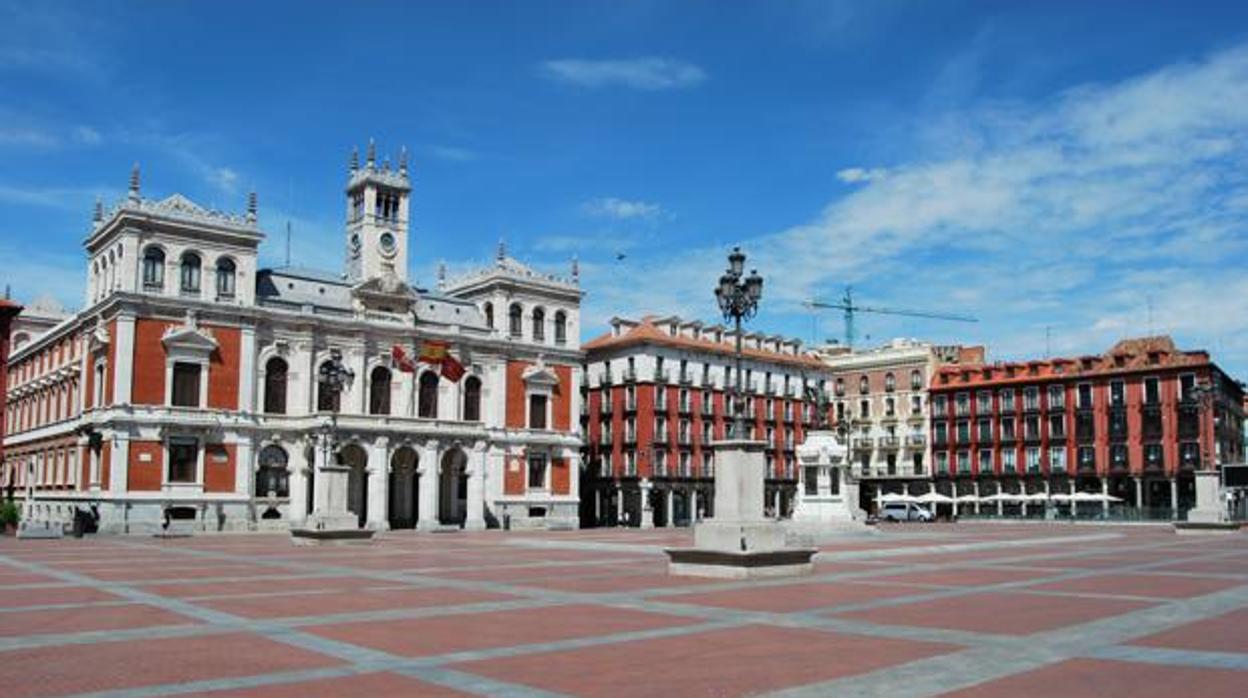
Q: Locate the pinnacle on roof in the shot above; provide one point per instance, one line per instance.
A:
(502, 250)
(576, 270)
(98, 216)
(251, 207)
(403, 161)
(354, 164)
(371, 159)
(134, 182)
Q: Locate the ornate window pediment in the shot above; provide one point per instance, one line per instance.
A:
(539, 375)
(188, 339)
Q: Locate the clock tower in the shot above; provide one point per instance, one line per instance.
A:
(377, 215)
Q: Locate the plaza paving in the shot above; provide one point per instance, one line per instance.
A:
(965, 609)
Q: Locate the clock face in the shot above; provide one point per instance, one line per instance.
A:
(387, 242)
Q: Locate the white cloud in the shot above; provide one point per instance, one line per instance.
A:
(637, 73)
(27, 137)
(86, 135)
(854, 175)
(1063, 212)
(622, 209)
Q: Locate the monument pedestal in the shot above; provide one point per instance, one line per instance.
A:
(827, 500)
(331, 521)
(1209, 515)
(739, 543)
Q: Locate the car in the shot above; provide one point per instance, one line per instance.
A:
(906, 511)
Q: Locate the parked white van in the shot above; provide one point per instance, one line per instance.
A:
(906, 511)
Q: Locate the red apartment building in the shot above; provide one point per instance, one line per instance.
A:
(655, 399)
(1133, 423)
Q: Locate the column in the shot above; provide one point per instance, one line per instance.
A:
(1139, 494)
(297, 468)
(693, 506)
(379, 484)
(1174, 498)
(359, 363)
(976, 492)
(320, 486)
(647, 512)
(475, 521)
(427, 516)
(247, 370)
(245, 468)
(123, 358)
(1105, 497)
(119, 468)
(671, 500)
(775, 503)
(619, 505)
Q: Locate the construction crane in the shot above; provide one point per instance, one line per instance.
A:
(848, 306)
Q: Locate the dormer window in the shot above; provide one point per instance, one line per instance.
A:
(225, 278)
(153, 269)
(190, 273)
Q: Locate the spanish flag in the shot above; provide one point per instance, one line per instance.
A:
(432, 351)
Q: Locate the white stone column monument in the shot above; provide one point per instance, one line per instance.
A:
(832, 505)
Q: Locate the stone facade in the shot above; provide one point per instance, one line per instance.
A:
(189, 386)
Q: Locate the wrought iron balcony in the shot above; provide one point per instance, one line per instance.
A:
(686, 377)
(864, 443)
(890, 442)
(630, 375)
(660, 375)
(916, 439)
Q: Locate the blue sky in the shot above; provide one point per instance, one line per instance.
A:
(1045, 164)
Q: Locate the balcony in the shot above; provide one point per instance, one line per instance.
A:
(864, 443)
(889, 417)
(890, 442)
(660, 375)
(630, 375)
(916, 440)
(1057, 407)
(686, 376)
(1031, 406)
(1009, 438)
(1058, 437)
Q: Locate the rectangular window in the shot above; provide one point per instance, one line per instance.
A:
(1031, 398)
(940, 433)
(1189, 455)
(985, 431)
(940, 405)
(1057, 459)
(1152, 391)
(1057, 427)
(916, 404)
(942, 462)
(964, 462)
(1057, 397)
(1085, 396)
(1118, 456)
(537, 411)
(1033, 459)
(963, 403)
(985, 461)
(1009, 462)
(964, 432)
(183, 458)
(1006, 397)
(1087, 458)
(1117, 394)
(537, 471)
(1187, 383)
(983, 402)
(918, 463)
(185, 392)
(1152, 456)
(1007, 428)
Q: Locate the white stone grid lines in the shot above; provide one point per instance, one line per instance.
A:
(984, 656)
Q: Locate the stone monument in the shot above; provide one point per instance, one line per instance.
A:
(738, 541)
(827, 496)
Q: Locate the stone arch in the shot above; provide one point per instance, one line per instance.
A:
(404, 487)
(355, 458)
(453, 487)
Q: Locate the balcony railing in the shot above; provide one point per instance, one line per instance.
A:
(660, 375)
(864, 443)
(890, 442)
(630, 375)
(686, 377)
(1032, 437)
(916, 439)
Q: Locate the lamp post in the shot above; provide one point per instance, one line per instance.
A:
(738, 297)
(334, 377)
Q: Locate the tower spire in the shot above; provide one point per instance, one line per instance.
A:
(403, 161)
(98, 216)
(134, 182)
(502, 250)
(576, 270)
(355, 159)
(371, 158)
(251, 207)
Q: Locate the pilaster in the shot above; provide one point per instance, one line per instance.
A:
(123, 371)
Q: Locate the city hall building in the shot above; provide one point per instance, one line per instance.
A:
(191, 385)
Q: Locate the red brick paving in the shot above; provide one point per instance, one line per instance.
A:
(46, 596)
(794, 597)
(961, 577)
(384, 684)
(1226, 633)
(112, 665)
(1090, 678)
(728, 662)
(997, 612)
(348, 602)
(1162, 586)
(442, 635)
(76, 620)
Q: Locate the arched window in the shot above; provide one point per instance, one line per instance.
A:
(271, 475)
(379, 391)
(472, 399)
(488, 309)
(890, 382)
(153, 269)
(539, 325)
(515, 318)
(275, 371)
(190, 273)
(327, 399)
(864, 385)
(561, 328)
(225, 278)
(427, 405)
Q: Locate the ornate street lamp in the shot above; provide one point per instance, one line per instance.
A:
(334, 377)
(738, 299)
